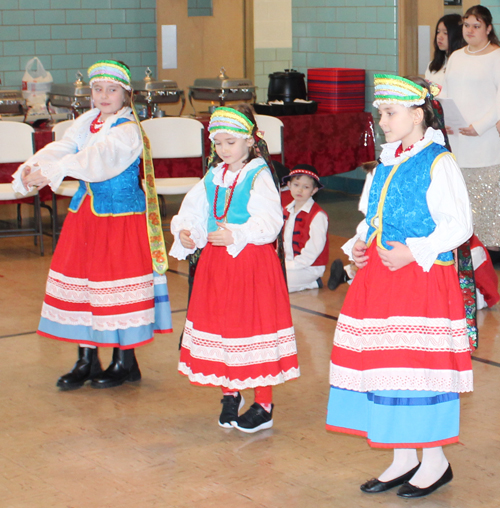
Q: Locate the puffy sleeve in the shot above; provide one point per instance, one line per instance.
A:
(192, 216)
(449, 206)
(266, 216)
(97, 162)
(362, 229)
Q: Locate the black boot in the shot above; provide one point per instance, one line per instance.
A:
(87, 366)
(123, 367)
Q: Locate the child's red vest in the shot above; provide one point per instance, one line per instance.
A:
(301, 233)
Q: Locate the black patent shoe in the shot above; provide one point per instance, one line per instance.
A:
(230, 407)
(337, 275)
(86, 367)
(408, 490)
(255, 419)
(123, 367)
(374, 486)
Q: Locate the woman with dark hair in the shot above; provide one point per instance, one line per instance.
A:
(447, 39)
(472, 80)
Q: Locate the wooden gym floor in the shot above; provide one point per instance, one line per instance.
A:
(157, 443)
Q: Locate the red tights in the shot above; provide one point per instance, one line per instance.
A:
(263, 394)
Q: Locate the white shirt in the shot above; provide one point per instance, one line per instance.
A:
(317, 237)
(86, 156)
(437, 76)
(473, 82)
(264, 207)
(447, 199)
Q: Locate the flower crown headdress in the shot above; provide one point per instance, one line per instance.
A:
(110, 70)
(390, 89)
(230, 121)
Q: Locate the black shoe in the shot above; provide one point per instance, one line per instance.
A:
(337, 275)
(86, 367)
(255, 419)
(123, 367)
(230, 407)
(374, 486)
(320, 283)
(408, 490)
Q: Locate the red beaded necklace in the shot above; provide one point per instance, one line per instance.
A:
(228, 203)
(399, 149)
(96, 124)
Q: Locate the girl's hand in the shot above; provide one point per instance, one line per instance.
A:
(24, 174)
(185, 238)
(449, 130)
(396, 258)
(468, 131)
(498, 127)
(222, 237)
(359, 254)
(32, 179)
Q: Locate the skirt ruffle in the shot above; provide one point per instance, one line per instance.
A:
(402, 330)
(239, 332)
(101, 288)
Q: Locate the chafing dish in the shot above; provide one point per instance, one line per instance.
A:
(74, 96)
(222, 89)
(151, 93)
(12, 103)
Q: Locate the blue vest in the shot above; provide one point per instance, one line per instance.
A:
(398, 200)
(237, 213)
(120, 195)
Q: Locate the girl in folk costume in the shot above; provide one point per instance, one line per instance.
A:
(238, 331)
(107, 284)
(401, 353)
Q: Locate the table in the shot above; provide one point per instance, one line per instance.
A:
(333, 143)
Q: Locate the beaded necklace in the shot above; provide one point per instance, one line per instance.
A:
(96, 124)
(228, 204)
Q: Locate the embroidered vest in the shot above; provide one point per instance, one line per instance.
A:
(397, 206)
(301, 235)
(120, 195)
(237, 213)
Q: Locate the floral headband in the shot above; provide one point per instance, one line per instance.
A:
(110, 70)
(391, 89)
(230, 121)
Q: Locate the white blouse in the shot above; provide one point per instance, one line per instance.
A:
(473, 82)
(86, 156)
(264, 207)
(447, 199)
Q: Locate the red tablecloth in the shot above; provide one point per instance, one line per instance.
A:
(332, 142)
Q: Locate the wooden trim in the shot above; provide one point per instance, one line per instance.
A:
(248, 41)
(408, 37)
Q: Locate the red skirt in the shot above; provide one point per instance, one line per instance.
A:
(239, 332)
(402, 330)
(101, 289)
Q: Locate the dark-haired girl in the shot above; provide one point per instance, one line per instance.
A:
(447, 39)
(401, 354)
(238, 331)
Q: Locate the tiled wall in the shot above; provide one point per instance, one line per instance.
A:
(70, 35)
(272, 41)
(494, 7)
(199, 7)
(346, 33)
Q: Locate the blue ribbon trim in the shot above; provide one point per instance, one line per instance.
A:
(412, 401)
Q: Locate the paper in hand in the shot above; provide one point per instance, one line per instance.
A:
(452, 116)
